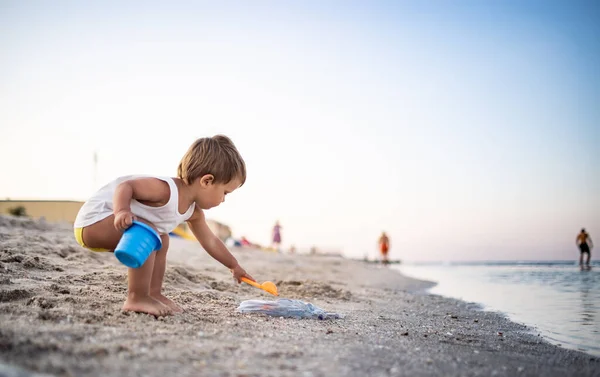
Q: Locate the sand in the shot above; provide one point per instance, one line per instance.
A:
(60, 314)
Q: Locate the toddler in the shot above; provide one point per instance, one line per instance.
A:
(211, 169)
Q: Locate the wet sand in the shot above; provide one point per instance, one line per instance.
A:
(60, 314)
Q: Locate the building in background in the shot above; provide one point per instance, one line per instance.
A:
(50, 210)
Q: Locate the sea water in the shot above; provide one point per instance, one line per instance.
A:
(558, 299)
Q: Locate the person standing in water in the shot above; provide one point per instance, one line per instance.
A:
(584, 241)
(384, 247)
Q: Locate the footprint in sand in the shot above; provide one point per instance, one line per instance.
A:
(14, 295)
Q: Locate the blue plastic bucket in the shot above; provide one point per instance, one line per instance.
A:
(136, 245)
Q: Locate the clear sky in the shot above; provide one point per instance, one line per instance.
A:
(466, 129)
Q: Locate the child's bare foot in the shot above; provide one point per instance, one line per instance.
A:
(168, 302)
(146, 304)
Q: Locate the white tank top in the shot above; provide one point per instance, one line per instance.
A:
(164, 218)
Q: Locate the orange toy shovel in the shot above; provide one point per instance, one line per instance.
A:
(267, 286)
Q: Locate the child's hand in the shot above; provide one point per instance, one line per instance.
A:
(238, 273)
(123, 220)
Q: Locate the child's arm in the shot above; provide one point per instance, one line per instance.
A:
(214, 246)
(143, 189)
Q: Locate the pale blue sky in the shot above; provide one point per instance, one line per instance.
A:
(465, 129)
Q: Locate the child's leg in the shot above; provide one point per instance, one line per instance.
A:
(138, 287)
(104, 235)
(158, 274)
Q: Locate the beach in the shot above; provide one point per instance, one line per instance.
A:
(60, 315)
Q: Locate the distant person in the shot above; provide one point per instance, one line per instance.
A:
(384, 247)
(210, 169)
(584, 241)
(276, 235)
(244, 242)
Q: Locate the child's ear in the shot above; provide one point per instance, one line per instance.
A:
(207, 180)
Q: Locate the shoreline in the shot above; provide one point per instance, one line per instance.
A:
(60, 315)
(577, 337)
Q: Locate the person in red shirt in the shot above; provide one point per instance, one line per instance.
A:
(384, 247)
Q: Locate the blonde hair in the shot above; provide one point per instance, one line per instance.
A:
(212, 155)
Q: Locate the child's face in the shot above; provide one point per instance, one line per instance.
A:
(213, 194)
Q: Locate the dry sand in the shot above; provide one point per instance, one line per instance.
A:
(60, 315)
